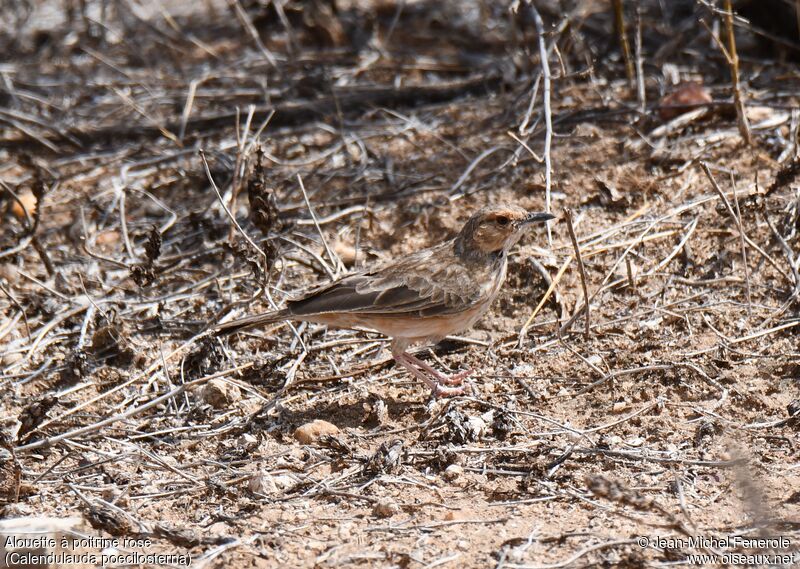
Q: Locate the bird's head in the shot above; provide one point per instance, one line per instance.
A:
(495, 229)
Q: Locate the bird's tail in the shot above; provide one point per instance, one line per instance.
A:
(252, 322)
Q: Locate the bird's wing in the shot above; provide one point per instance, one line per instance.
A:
(426, 283)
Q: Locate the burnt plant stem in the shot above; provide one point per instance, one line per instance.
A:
(733, 63)
(619, 28)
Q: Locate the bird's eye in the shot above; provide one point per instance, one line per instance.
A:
(502, 220)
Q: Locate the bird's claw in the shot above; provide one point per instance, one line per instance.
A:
(441, 385)
(443, 390)
(455, 379)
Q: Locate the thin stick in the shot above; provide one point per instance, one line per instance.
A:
(524, 144)
(619, 25)
(631, 278)
(248, 26)
(483, 155)
(548, 119)
(123, 216)
(790, 257)
(583, 552)
(742, 245)
(19, 307)
(524, 330)
(733, 63)
(523, 126)
(763, 333)
(668, 259)
(630, 244)
(241, 157)
(130, 412)
(152, 120)
(622, 372)
(227, 211)
(334, 259)
(581, 268)
(640, 91)
(738, 221)
(187, 107)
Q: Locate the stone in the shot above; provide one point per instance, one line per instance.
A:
(28, 201)
(107, 238)
(385, 508)
(347, 253)
(284, 482)
(453, 472)
(311, 432)
(247, 441)
(220, 394)
(262, 483)
(10, 359)
(9, 273)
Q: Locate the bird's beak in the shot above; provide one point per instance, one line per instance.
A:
(537, 217)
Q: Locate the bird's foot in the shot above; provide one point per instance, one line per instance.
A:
(455, 379)
(441, 385)
(441, 390)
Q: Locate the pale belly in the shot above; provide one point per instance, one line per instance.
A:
(408, 327)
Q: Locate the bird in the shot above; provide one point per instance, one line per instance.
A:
(420, 298)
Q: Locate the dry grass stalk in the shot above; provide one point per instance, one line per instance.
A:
(733, 61)
(622, 37)
(548, 115)
(581, 269)
(736, 215)
(640, 79)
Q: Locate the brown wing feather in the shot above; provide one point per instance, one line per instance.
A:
(426, 283)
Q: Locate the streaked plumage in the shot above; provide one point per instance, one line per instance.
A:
(421, 298)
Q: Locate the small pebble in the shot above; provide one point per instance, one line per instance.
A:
(619, 407)
(594, 360)
(9, 273)
(28, 200)
(311, 432)
(452, 472)
(262, 483)
(453, 515)
(110, 237)
(10, 359)
(284, 482)
(385, 508)
(217, 529)
(477, 426)
(220, 394)
(247, 441)
(345, 252)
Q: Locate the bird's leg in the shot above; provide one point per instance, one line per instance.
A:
(456, 379)
(421, 372)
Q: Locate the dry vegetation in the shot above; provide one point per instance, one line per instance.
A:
(340, 133)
